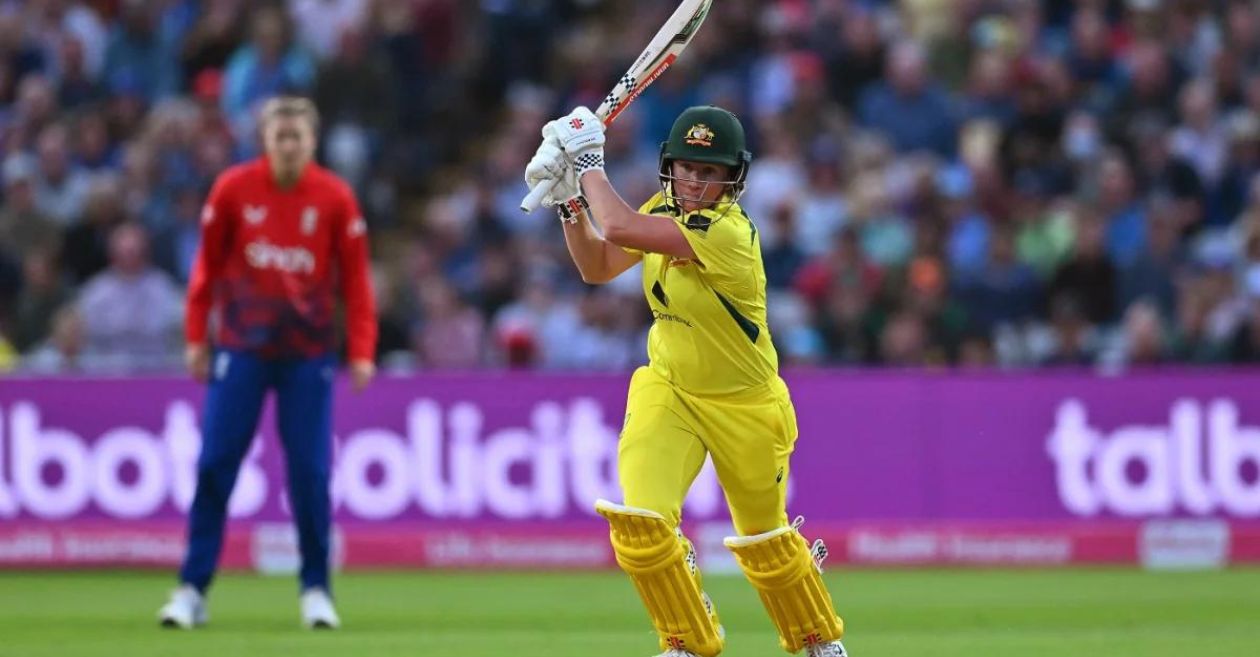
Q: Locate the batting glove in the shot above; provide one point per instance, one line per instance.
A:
(550, 163)
(581, 135)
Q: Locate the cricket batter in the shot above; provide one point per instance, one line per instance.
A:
(281, 237)
(712, 385)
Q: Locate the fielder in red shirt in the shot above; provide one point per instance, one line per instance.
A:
(281, 239)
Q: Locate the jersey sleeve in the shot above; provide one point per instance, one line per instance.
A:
(356, 279)
(212, 254)
(653, 203)
(725, 249)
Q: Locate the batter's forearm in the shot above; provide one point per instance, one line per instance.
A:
(615, 216)
(588, 249)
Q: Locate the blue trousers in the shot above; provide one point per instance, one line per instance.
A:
(239, 382)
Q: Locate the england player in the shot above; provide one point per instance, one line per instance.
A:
(711, 386)
(281, 238)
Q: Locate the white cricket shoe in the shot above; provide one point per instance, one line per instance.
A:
(672, 652)
(186, 609)
(318, 612)
(829, 649)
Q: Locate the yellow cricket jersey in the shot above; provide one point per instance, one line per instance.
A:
(710, 335)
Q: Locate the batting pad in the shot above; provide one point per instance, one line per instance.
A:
(780, 567)
(662, 564)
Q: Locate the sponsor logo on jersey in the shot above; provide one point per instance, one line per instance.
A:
(207, 214)
(700, 135)
(357, 227)
(667, 317)
(310, 217)
(288, 259)
(255, 214)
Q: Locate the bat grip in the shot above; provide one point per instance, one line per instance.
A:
(533, 200)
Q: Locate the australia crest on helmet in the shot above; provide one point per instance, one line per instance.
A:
(700, 135)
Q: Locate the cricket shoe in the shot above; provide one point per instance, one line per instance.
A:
(672, 652)
(318, 612)
(829, 649)
(186, 609)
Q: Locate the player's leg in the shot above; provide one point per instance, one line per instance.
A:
(659, 455)
(751, 444)
(304, 415)
(234, 398)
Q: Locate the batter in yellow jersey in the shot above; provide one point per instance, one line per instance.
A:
(710, 335)
(711, 388)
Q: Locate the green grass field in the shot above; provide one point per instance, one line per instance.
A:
(916, 613)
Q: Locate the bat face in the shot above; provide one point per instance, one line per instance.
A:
(659, 55)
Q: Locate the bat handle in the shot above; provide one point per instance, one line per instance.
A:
(533, 200)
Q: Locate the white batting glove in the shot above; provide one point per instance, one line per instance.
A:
(581, 135)
(549, 163)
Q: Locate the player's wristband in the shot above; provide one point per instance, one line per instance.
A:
(569, 210)
(587, 162)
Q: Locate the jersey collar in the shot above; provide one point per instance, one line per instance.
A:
(274, 184)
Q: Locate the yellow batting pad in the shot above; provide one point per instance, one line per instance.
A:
(661, 563)
(779, 565)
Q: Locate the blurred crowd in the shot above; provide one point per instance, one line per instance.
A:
(937, 182)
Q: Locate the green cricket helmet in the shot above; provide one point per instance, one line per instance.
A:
(711, 135)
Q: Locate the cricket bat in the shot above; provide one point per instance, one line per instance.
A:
(658, 56)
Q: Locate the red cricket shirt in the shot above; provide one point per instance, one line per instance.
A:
(272, 260)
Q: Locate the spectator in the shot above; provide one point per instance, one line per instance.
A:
(175, 245)
(86, 244)
(782, 257)
(323, 24)
(1153, 275)
(270, 64)
(61, 187)
(62, 352)
(1200, 138)
(1088, 275)
(858, 60)
(1242, 166)
(1244, 345)
(1090, 60)
(132, 312)
(844, 266)
(44, 290)
(450, 333)
(137, 60)
(1005, 290)
(1146, 94)
(76, 85)
(215, 35)
(18, 55)
(355, 97)
(1044, 230)
(23, 227)
(1072, 339)
(822, 209)
(94, 150)
(1142, 341)
(35, 109)
(903, 342)
(1126, 219)
(57, 22)
(989, 85)
(909, 109)
(1164, 174)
